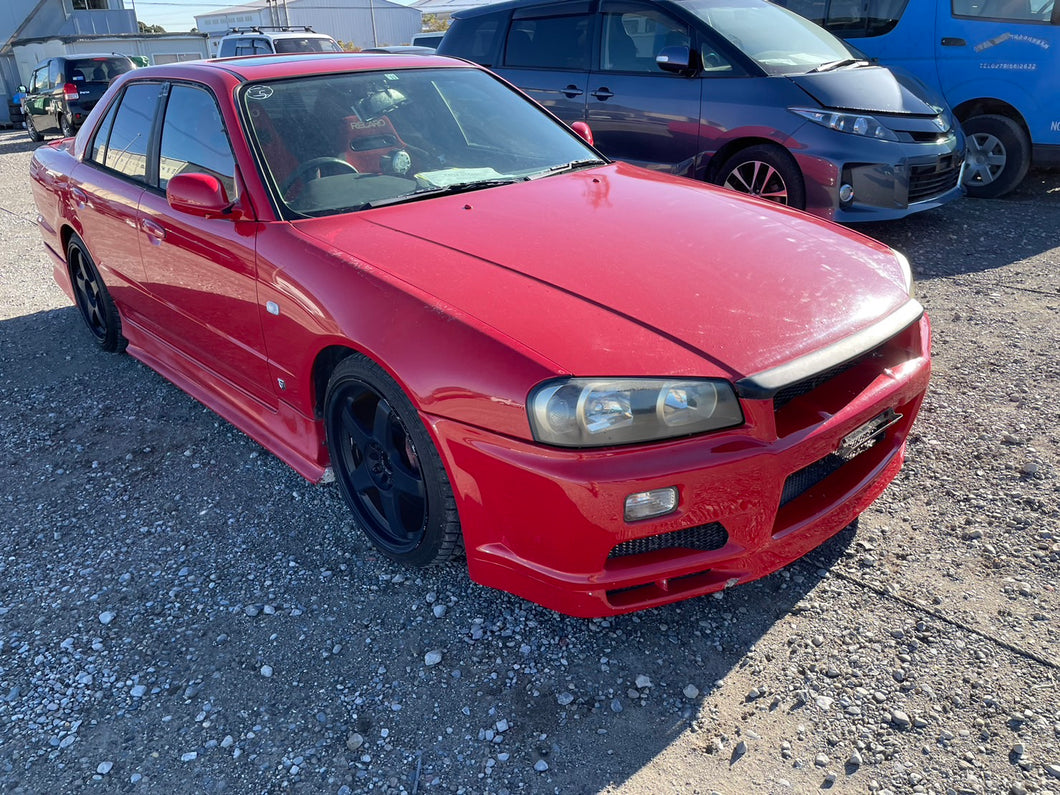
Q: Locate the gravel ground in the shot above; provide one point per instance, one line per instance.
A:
(180, 612)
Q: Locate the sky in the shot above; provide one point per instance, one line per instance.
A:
(178, 16)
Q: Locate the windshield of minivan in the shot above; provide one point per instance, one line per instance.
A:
(355, 141)
(781, 42)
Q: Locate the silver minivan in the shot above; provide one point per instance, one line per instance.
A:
(741, 93)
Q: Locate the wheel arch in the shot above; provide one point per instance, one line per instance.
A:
(985, 106)
(730, 148)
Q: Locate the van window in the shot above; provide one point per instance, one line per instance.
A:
(306, 44)
(632, 39)
(474, 38)
(1014, 10)
(852, 18)
(549, 43)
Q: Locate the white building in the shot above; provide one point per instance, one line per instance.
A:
(363, 23)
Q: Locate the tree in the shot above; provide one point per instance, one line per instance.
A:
(436, 22)
(144, 28)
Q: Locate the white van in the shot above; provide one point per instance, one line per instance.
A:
(265, 40)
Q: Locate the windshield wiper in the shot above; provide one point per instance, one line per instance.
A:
(445, 190)
(571, 166)
(832, 65)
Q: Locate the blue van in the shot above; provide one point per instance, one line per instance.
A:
(996, 62)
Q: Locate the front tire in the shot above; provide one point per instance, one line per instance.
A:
(768, 172)
(387, 467)
(998, 155)
(93, 299)
(32, 131)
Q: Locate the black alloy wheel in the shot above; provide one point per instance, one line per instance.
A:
(387, 468)
(93, 300)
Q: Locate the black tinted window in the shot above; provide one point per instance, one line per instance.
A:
(631, 39)
(850, 18)
(194, 139)
(97, 70)
(549, 43)
(474, 39)
(131, 133)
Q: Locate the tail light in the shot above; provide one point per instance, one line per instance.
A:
(70, 92)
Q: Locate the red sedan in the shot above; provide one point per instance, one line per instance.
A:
(609, 387)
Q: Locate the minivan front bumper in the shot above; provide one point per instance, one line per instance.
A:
(887, 179)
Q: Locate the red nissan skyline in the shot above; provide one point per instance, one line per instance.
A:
(610, 388)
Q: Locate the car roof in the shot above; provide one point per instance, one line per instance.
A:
(251, 68)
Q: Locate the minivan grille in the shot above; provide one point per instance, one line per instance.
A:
(932, 180)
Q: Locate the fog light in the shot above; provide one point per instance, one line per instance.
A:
(846, 193)
(649, 504)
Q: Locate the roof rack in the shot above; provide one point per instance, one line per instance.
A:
(262, 28)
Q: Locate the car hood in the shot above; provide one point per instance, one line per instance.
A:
(622, 271)
(872, 89)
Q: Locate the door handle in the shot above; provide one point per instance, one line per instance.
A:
(603, 93)
(948, 41)
(153, 230)
(571, 91)
(79, 196)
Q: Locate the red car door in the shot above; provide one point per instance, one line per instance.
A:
(201, 271)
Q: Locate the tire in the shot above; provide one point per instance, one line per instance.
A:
(768, 172)
(32, 131)
(998, 156)
(92, 298)
(66, 127)
(387, 467)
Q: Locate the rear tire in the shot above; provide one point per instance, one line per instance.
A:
(767, 172)
(998, 155)
(93, 300)
(66, 127)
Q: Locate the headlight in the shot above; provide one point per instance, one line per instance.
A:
(907, 273)
(596, 412)
(853, 123)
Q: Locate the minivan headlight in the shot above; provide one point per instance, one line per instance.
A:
(597, 412)
(853, 123)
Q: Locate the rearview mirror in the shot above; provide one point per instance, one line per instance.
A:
(583, 131)
(676, 59)
(199, 194)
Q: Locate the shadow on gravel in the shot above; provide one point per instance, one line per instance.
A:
(161, 567)
(16, 141)
(977, 234)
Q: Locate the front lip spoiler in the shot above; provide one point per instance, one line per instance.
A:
(764, 385)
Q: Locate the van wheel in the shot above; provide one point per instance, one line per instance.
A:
(765, 171)
(66, 127)
(32, 131)
(997, 158)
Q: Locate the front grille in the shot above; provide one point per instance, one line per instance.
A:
(787, 394)
(800, 482)
(704, 538)
(928, 181)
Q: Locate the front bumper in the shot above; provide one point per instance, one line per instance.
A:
(547, 524)
(889, 180)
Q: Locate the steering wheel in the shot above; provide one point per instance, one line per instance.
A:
(305, 172)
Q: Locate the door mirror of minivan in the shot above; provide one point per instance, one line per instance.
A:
(676, 59)
(22, 89)
(583, 131)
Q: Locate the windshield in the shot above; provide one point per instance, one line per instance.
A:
(305, 44)
(781, 42)
(353, 141)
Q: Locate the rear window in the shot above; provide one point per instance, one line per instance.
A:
(305, 44)
(96, 70)
(474, 38)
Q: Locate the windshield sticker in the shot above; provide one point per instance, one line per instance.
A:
(259, 92)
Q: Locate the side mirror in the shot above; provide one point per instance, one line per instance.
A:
(22, 89)
(583, 131)
(199, 194)
(675, 59)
